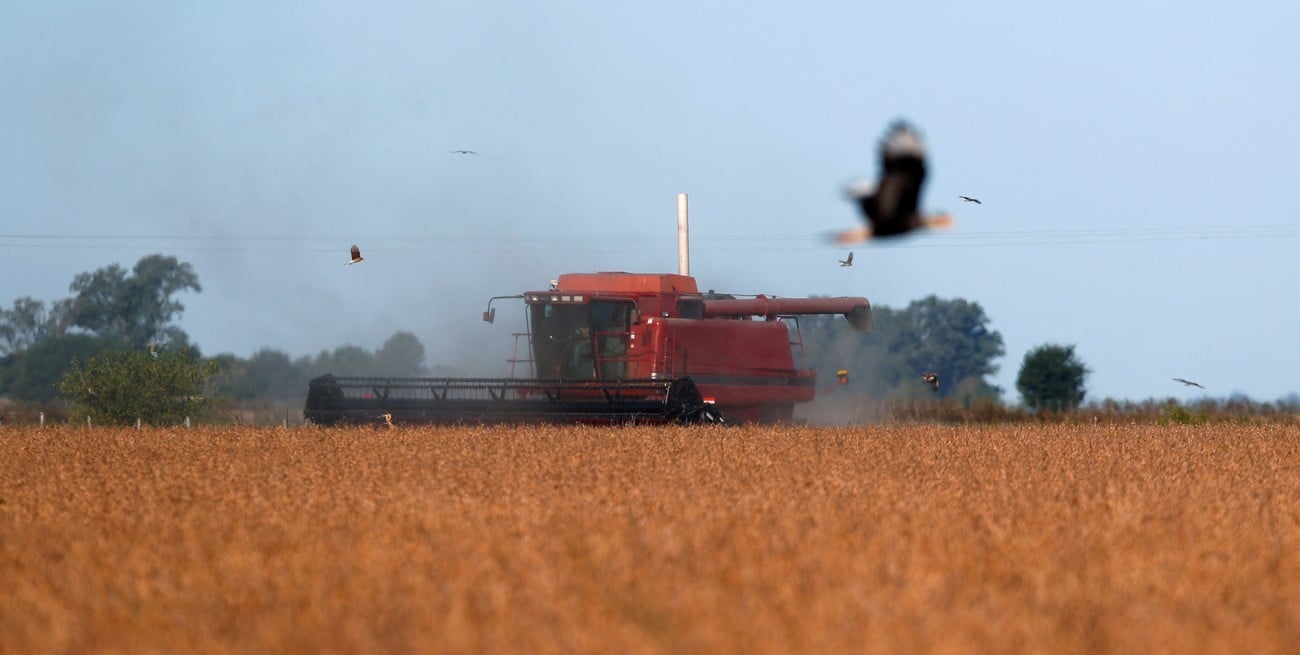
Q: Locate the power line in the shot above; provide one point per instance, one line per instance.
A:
(612, 242)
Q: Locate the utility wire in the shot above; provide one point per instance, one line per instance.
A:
(615, 242)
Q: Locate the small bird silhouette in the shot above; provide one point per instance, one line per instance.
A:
(891, 205)
(1188, 383)
(847, 262)
(933, 379)
(463, 152)
(356, 255)
(970, 199)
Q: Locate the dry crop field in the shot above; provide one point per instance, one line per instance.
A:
(874, 539)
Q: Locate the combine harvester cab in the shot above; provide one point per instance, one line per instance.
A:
(617, 348)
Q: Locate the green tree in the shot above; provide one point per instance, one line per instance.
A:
(1052, 378)
(948, 337)
(33, 375)
(343, 360)
(28, 322)
(267, 375)
(402, 355)
(159, 387)
(229, 382)
(134, 310)
(953, 339)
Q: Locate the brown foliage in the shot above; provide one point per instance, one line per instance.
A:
(1020, 538)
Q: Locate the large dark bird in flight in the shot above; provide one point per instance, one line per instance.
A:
(847, 262)
(933, 379)
(970, 199)
(1189, 383)
(356, 255)
(891, 205)
(463, 152)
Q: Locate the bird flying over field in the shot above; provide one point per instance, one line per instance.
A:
(356, 255)
(970, 199)
(847, 262)
(463, 152)
(1189, 383)
(933, 379)
(891, 205)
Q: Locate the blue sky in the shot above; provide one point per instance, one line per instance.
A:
(1136, 161)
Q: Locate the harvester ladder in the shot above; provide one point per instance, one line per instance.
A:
(516, 360)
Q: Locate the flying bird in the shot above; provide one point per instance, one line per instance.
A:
(970, 199)
(1189, 383)
(463, 152)
(891, 205)
(933, 379)
(356, 255)
(847, 262)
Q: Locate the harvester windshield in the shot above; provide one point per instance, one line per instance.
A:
(580, 340)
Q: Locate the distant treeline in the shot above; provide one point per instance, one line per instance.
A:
(841, 409)
(271, 375)
(881, 375)
(113, 309)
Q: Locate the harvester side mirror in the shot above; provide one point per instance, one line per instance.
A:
(490, 314)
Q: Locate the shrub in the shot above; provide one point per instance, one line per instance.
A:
(157, 387)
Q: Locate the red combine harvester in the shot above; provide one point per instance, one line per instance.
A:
(617, 348)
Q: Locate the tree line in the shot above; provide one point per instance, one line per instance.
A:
(124, 320)
(936, 348)
(950, 338)
(272, 375)
(110, 309)
(117, 333)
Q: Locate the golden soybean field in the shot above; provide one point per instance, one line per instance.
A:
(872, 539)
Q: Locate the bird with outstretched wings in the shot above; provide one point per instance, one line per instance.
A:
(848, 261)
(356, 255)
(891, 204)
(933, 379)
(463, 152)
(1189, 383)
(970, 199)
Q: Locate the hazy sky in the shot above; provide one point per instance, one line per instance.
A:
(1137, 162)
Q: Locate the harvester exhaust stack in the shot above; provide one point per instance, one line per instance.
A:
(683, 237)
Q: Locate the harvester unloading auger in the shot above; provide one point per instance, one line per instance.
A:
(617, 348)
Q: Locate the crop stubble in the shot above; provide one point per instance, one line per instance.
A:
(1018, 538)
